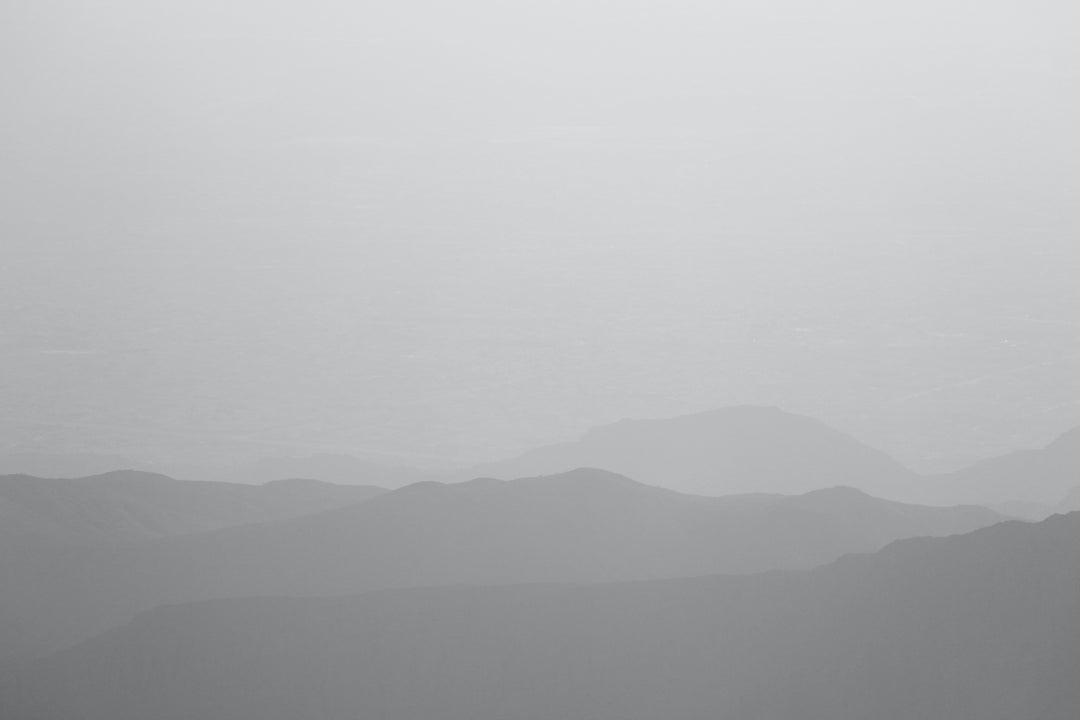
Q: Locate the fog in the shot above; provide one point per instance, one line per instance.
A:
(504, 360)
(435, 233)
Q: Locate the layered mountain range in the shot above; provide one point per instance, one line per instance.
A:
(586, 525)
(983, 626)
(124, 506)
(738, 449)
(765, 449)
(573, 581)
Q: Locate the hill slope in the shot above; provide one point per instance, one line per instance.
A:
(587, 525)
(977, 627)
(1043, 475)
(764, 449)
(129, 505)
(731, 450)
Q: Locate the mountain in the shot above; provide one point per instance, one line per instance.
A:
(744, 449)
(983, 626)
(731, 450)
(1071, 503)
(1042, 476)
(1026, 510)
(583, 526)
(61, 465)
(331, 468)
(338, 469)
(128, 505)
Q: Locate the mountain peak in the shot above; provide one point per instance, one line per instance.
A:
(583, 478)
(739, 449)
(129, 476)
(731, 416)
(839, 491)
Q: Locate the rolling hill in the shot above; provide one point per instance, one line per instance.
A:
(1044, 475)
(737, 449)
(582, 526)
(983, 626)
(126, 506)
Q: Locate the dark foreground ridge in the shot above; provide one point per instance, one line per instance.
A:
(584, 526)
(983, 626)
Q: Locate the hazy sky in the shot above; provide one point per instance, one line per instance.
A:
(452, 230)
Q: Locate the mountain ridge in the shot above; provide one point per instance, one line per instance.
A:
(979, 626)
(737, 449)
(489, 532)
(130, 505)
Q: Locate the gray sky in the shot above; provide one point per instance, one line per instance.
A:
(452, 230)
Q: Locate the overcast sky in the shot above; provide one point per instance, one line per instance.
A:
(443, 231)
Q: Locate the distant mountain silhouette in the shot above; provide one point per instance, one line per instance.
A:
(331, 468)
(983, 626)
(1042, 476)
(62, 465)
(131, 505)
(1071, 502)
(338, 469)
(586, 525)
(746, 449)
(731, 450)
(740, 449)
(1026, 510)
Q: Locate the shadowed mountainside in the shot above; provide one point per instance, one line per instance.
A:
(587, 525)
(982, 626)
